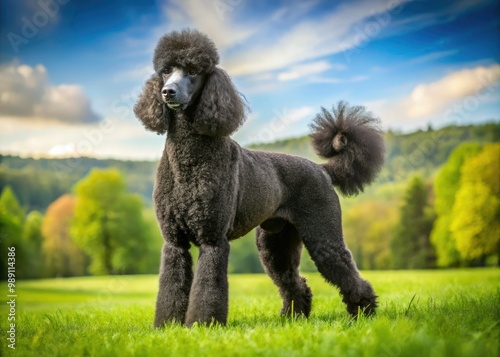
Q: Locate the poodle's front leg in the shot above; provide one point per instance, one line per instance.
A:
(176, 275)
(208, 301)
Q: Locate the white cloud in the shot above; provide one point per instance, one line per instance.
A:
(339, 80)
(262, 86)
(347, 28)
(298, 114)
(448, 11)
(282, 124)
(25, 93)
(432, 57)
(307, 40)
(264, 46)
(303, 70)
(111, 137)
(430, 99)
(210, 17)
(140, 72)
(289, 36)
(293, 10)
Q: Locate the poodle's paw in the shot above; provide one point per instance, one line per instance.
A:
(366, 306)
(169, 314)
(363, 300)
(300, 305)
(209, 322)
(295, 308)
(160, 322)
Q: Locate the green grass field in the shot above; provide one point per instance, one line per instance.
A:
(422, 313)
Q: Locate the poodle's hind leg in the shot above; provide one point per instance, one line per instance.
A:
(321, 233)
(208, 301)
(176, 275)
(280, 256)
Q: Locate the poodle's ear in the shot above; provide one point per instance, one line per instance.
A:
(220, 109)
(150, 109)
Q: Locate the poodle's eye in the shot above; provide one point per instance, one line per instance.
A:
(192, 72)
(167, 70)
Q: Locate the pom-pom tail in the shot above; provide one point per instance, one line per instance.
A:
(352, 141)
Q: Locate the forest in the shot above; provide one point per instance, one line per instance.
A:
(436, 204)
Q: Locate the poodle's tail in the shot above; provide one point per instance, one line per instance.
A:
(352, 141)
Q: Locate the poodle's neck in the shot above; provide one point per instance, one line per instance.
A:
(186, 150)
(181, 126)
(182, 133)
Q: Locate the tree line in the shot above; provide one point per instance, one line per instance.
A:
(101, 223)
(451, 220)
(39, 182)
(101, 228)
(98, 229)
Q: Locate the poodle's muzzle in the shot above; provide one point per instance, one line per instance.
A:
(180, 86)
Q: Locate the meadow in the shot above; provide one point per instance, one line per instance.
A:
(422, 313)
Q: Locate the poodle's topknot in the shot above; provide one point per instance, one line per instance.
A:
(187, 48)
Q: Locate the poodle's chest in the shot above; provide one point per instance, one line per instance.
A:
(197, 201)
(184, 189)
(195, 186)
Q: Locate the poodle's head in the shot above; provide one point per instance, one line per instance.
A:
(188, 80)
(186, 49)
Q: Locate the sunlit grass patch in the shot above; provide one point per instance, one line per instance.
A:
(422, 313)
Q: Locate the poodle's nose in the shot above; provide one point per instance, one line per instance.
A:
(168, 92)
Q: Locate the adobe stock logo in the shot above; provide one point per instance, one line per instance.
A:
(30, 27)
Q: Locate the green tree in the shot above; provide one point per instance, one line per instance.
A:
(476, 212)
(9, 201)
(410, 245)
(11, 229)
(130, 236)
(108, 224)
(154, 242)
(378, 239)
(446, 185)
(244, 256)
(62, 256)
(32, 240)
(367, 230)
(306, 263)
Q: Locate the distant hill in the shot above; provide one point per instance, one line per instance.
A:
(38, 182)
(420, 151)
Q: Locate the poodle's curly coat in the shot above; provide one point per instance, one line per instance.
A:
(209, 190)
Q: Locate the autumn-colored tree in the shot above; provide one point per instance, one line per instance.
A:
(410, 245)
(476, 212)
(109, 224)
(446, 185)
(62, 256)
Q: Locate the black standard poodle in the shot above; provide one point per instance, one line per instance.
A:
(209, 190)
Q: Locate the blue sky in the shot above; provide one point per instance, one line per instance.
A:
(70, 70)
